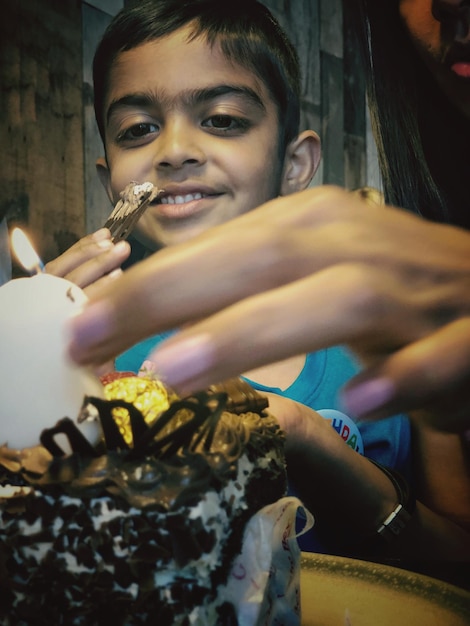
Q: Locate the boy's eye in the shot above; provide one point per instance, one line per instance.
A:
(220, 121)
(224, 123)
(138, 131)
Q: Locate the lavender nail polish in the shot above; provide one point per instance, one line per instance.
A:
(368, 396)
(179, 361)
(88, 328)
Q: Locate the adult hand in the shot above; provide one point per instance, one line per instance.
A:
(298, 274)
(91, 262)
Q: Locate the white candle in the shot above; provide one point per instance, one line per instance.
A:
(38, 383)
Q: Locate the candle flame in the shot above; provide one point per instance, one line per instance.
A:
(25, 252)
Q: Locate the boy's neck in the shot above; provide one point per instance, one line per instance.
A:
(280, 375)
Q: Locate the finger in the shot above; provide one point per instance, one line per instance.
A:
(99, 265)
(261, 250)
(171, 288)
(303, 316)
(188, 282)
(96, 287)
(84, 249)
(431, 374)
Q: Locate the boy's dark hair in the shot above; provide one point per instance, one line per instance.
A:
(245, 29)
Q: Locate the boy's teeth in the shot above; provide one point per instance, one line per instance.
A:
(181, 199)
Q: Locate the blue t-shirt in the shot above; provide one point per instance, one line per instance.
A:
(324, 373)
(317, 386)
(131, 360)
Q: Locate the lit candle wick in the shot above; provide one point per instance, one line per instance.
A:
(25, 252)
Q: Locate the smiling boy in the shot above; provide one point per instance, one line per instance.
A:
(204, 125)
(202, 99)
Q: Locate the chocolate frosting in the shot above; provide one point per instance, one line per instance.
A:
(192, 447)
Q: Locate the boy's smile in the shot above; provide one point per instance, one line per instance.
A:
(179, 114)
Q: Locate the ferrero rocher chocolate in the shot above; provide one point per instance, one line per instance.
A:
(148, 395)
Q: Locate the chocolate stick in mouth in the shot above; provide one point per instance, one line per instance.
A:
(135, 198)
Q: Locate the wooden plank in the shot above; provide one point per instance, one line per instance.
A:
(41, 130)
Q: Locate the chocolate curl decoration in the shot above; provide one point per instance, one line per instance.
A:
(205, 417)
(78, 442)
(242, 397)
(135, 198)
(112, 435)
(204, 409)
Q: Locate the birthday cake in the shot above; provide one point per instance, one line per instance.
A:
(144, 527)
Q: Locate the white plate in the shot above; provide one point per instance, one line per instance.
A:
(337, 591)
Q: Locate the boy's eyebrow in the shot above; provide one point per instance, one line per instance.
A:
(198, 96)
(189, 98)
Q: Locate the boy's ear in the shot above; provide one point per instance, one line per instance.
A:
(102, 170)
(301, 162)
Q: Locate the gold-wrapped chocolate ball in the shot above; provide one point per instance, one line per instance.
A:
(149, 395)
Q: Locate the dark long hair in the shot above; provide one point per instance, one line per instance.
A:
(422, 139)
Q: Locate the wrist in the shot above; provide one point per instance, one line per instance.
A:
(398, 518)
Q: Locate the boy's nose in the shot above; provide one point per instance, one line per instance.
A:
(177, 147)
(454, 16)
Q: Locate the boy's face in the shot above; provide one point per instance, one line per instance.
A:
(180, 115)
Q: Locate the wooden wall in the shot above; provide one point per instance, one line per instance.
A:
(49, 138)
(333, 100)
(41, 130)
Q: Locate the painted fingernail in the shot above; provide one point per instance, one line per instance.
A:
(91, 326)
(367, 397)
(181, 360)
